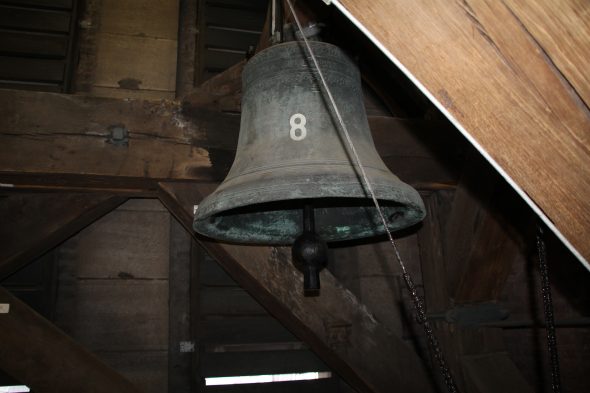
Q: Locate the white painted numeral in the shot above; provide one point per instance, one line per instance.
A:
(298, 131)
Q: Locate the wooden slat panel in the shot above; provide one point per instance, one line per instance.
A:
(259, 5)
(244, 331)
(216, 60)
(488, 70)
(65, 4)
(146, 18)
(259, 363)
(221, 38)
(34, 19)
(123, 244)
(150, 62)
(37, 44)
(233, 17)
(25, 69)
(123, 315)
(211, 274)
(146, 369)
(229, 301)
(54, 87)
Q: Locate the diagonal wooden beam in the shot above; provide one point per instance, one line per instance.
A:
(222, 92)
(44, 358)
(33, 224)
(335, 325)
(511, 75)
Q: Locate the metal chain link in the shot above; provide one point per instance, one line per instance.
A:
(432, 340)
(548, 310)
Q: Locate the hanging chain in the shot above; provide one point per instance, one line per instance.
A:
(432, 340)
(548, 310)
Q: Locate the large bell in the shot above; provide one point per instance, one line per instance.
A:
(290, 154)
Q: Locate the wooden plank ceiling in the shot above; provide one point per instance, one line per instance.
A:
(512, 76)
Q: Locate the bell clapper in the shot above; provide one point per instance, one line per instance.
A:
(310, 253)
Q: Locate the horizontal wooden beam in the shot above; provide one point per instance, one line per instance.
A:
(512, 75)
(35, 223)
(44, 358)
(100, 139)
(68, 143)
(335, 325)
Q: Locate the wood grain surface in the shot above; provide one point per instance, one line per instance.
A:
(512, 75)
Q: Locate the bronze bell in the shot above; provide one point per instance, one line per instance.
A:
(291, 154)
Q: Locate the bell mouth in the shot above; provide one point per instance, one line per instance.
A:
(280, 222)
(258, 209)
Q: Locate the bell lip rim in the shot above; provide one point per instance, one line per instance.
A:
(412, 220)
(382, 190)
(398, 192)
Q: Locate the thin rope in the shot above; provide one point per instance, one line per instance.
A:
(418, 303)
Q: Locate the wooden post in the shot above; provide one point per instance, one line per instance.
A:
(180, 344)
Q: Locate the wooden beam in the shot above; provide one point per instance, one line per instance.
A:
(511, 75)
(33, 224)
(54, 140)
(58, 142)
(221, 92)
(335, 325)
(44, 358)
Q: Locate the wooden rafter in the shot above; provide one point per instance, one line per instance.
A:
(512, 75)
(335, 325)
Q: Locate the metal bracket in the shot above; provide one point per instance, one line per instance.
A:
(118, 135)
(187, 346)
